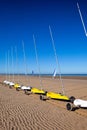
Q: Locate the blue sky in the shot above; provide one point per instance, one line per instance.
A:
(20, 19)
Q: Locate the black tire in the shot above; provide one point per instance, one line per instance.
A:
(72, 98)
(18, 89)
(69, 107)
(10, 87)
(27, 92)
(45, 92)
(41, 97)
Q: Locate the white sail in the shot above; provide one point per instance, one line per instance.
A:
(54, 73)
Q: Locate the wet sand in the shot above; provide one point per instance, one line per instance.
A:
(27, 112)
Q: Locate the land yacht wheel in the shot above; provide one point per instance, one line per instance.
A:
(27, 92)
(72, 98)
(69, 106)
(10, 87)
(18, 89)
(41, 97)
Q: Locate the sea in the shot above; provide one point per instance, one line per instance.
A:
(48, 75)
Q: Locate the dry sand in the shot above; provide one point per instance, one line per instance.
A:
(26, 112)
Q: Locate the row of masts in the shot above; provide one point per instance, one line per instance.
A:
(8, 74)
(27, 79)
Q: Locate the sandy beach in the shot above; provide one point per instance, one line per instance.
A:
(27, 112)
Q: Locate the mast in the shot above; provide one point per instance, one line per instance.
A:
(82, 19)
(25, 61)
(37, 61)
(17, 63)
(12, 64)
(56, 59)
(8, 67)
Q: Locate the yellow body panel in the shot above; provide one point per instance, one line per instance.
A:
(57, 96)
(37, 91)
(16, 86)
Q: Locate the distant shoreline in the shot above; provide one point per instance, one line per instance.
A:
(47, 74)
(64, 76)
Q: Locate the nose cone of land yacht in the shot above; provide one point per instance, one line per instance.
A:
(37, 91)
(80, 103)
(17, 85)
(26, 88)
(57, 96)
(7, 82)
(11, 84)
(4, 81)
